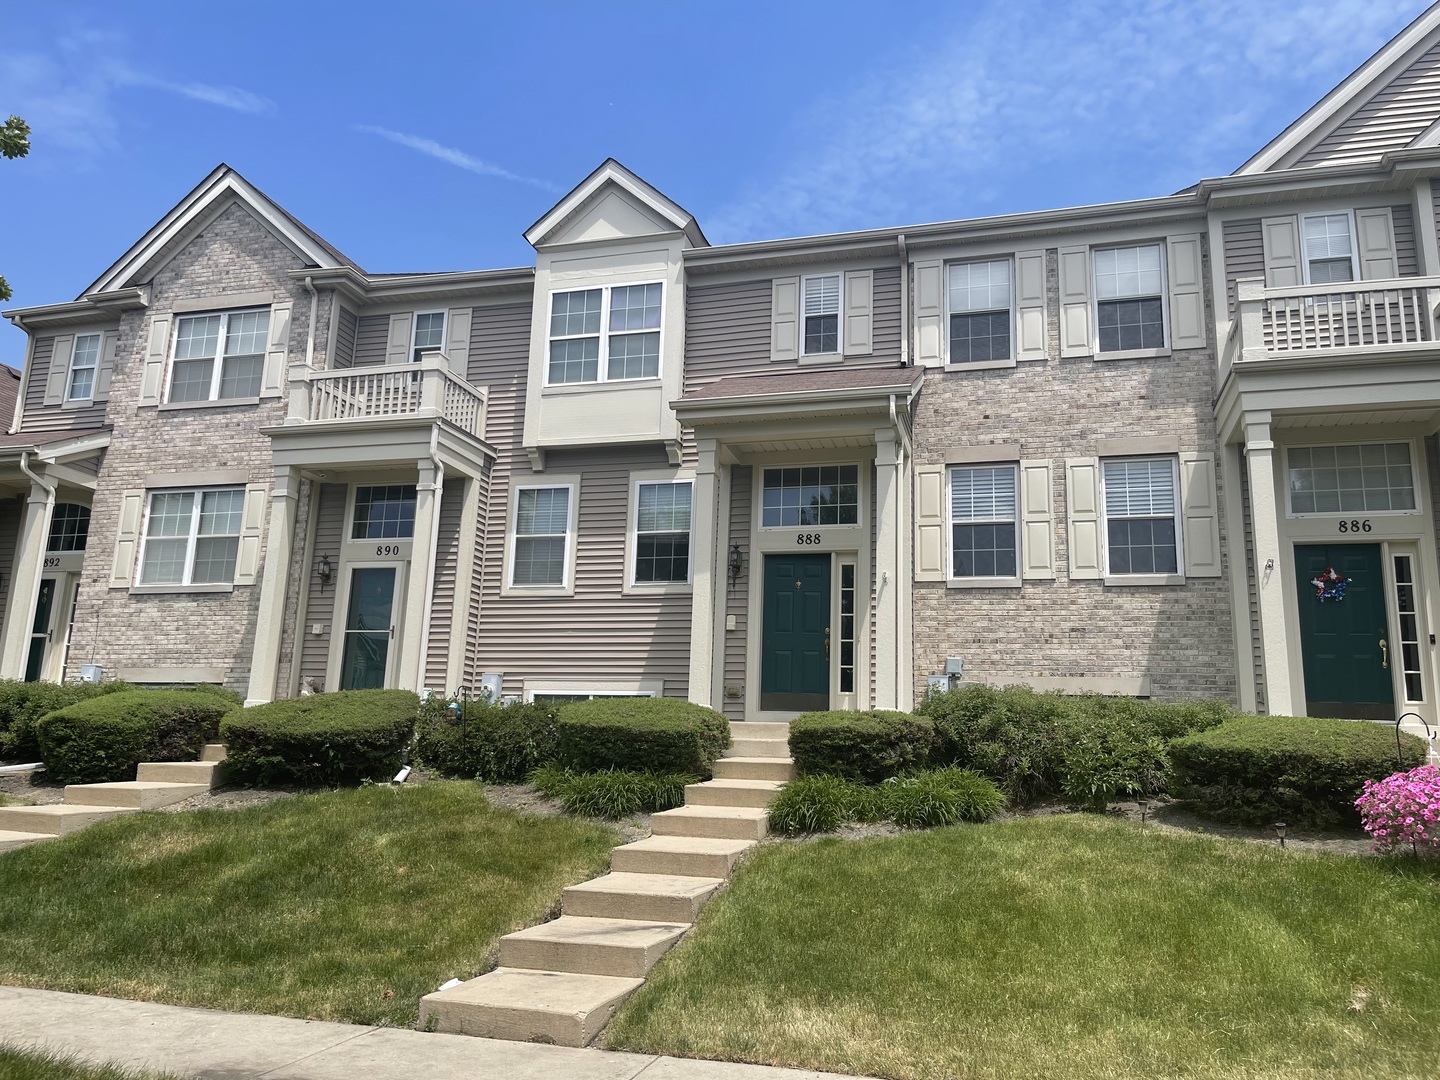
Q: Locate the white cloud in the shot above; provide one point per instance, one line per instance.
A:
(452, 156)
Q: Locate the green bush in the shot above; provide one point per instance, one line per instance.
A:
(811, 804)
(1300, 770)
(499, 743)
(321, 741)
(940, 797)
(23, 703)
(1011, 736)
(865, 746)
(613, 793)
(104, 738)
(665, 735)
(1110, 757)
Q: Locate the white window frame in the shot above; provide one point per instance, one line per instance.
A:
(861, 495)
(415, 332)
(1164, 295)
(603, 362)
(975, 365)
(1415, 482)
(353, 503)
(1349, 215)
(217, 369)
(191, 538)
(592, 688)
(572, 517)
(950, 523)
(632, 534)
(94, 368)
(839, 349)
(1178, 515)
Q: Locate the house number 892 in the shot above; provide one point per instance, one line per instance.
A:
(1355, 525)
(807, 538)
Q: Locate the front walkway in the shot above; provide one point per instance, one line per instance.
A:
(245, 1046)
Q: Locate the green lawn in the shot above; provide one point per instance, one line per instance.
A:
(18, 1064)
(1073, 946)
(348, 905)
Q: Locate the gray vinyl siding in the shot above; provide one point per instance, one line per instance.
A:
(1244, 255)
(320, 606)
(1388, 121)
(473, 601)
(1252, 591)
(442, 600)
(1407, 260)
(41, 417)
(10, 511)
(742, 479)
(372, 333)
(1432, 461)
(347, 324)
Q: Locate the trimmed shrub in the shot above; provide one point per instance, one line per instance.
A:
(23, 703)
(940, 797)
(614, 793)
(1403, 809)
(104, 738)
(499, 743)
(811, 804)
(865, 746)
(321, 741)
(663, 735)
(1302, 770)
(1110, 757)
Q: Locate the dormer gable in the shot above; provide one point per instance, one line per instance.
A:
(613, 204)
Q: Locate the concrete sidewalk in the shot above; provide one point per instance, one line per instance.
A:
(243, 1046)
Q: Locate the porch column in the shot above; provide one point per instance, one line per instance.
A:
(702, 611)
(274, 583)
(25, 581)
(887, 570)
(1273, 596)
(419, 588)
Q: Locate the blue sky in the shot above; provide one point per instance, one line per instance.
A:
(429, 136)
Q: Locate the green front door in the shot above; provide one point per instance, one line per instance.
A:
(1344, 638)
(40, 630)
(795, 645)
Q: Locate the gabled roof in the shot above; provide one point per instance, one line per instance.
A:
(206, 201)
(609, 176)
(1390, 102)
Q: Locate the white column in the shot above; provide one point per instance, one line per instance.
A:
(887, 582)
(1274, 600)
(702, 611)
(25, 581)
(274, 582)
(720, 587)
(413, 639)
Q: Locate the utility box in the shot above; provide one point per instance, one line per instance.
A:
(491, 683)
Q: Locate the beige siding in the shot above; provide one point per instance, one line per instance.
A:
(1407, 260)
(1388, 121)
(41, 417)
(371, 334)
(1244, 255)
(320, 608)
(742, 479)
(442, 602)
(347, 324)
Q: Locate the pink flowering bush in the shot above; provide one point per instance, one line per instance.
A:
(1404, 808)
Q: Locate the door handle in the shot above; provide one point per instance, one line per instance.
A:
(827, 643)
(392, 632)
(1384, 655)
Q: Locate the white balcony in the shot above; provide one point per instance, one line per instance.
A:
(427, 390)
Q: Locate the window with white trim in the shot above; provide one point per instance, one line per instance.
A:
(605, 335)
(540, 545)
(565, 697)
(1142, 515)
(1129, 297)
(192, 537)
(383, 512)
(1329, 248)
(1356, 479)
(662, 532)
(984, 530)
(822, 314)
(978, 295)
(69, 527)
(84, 362)
(810, 495)
(428, 335)
(219, 356)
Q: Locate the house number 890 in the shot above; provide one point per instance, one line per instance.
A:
(387, 549)
(807, 538)
(1354, 525)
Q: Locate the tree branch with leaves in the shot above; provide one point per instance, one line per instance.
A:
(14, 143)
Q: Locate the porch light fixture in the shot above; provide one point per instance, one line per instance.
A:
(323, 570)
(1280, 828)
(735, 563)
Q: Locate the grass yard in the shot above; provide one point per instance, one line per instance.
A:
(348, 905)
(16, 1064)
(1073, 946)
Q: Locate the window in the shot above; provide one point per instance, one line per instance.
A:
(1408, 636)
(984, 538)
(1329, 249)
(547, 693)
(628, 347)
(218, 357)
(1129, 285)
(822, 314)
(811, 495)
(979, 296)
(429, 333)
(542, 535)
(1141, 524)
(383, 513)
(662, 533)
(84, 360)
(192, 537)
(69, 527)
(847, 628)
(1351, 479)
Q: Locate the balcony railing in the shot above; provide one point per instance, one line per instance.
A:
(424, 390)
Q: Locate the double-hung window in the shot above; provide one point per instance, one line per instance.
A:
(1141, 507)
(980, 319)
(822, 314)
(84, 362)
(984, 533)
(1329, 248)
(662, 532)
(220, 356)
(429, 333)
(540, 547)
(605, 335)
(1129, 304)
(384, 512)
(192, 537)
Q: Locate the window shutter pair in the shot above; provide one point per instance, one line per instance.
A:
(397, 346)
(59, 373)
(1036, 521)
(252, 527)
(457, 340)
(857, 315)
(132, 513)
(277, 351)
(1030, 305)
(1075, 334)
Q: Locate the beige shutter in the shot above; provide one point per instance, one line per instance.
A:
(859, 317)
(277, 352)
(127, 538)
(108, 349)
(785, 319)
(1075, 339)
(1082, 516)
(1201, 536)
(252, 526)
(930, 523)
(1281, 241)
(457, 340)
(152, 380)
(930, 313)
(397, 346)
(1030, 304)
(1187, 301)
(59, 373)
(1037, 520)
(1377, 244)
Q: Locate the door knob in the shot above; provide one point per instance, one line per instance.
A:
(827, 643)
(1384, 655)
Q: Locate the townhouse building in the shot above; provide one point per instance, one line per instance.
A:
(1179, 446)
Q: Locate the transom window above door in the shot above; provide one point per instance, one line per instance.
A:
(810, 495)
(69, 527)
(384, 512)
(979, 304)
(1361, 478)
(1129, 287)
(822, 314)
(1329, 248)
(605, 335)
(429, 333)
(220, 356)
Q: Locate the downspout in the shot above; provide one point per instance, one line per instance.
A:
(36, 478)
(310, 332)
(904, 309)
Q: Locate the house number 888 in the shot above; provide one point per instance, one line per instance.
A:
(807, 538)
(1355, 525)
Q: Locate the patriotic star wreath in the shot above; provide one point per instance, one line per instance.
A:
(1329, 585)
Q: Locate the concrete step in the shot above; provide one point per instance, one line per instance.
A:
(57, 819)
(214, 751)
(732, 793)
(136, 794)
(754, 729)
(9, 841)
(761, 748)
(558, 1007)
(181, 772)
(623, 948)
(681, 856)
(663, 898)
(717, 822)
(754, 768)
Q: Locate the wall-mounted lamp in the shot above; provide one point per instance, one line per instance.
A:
(735, 564)
(1269, 565)
(323, 570)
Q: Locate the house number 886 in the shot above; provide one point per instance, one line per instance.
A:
(1354, 525)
